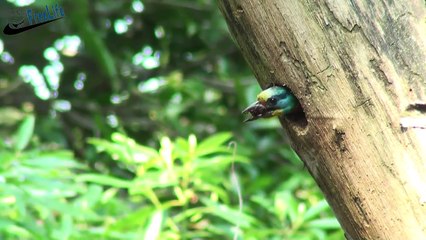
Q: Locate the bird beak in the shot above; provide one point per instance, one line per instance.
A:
(256, 110)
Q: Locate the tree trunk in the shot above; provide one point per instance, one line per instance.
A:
(359, 71)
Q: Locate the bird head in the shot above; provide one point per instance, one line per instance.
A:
(273, 101)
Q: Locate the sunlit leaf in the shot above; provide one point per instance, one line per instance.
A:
(117, 151)
(316, 210)
(24, 133)
(104, 180)
(66, 227)
(154, 226)
(57, 159)
(265, 203)
(154, 180)
(235, 217)
(212, 144)
(133, 220)
(324, 223)
(318, 234)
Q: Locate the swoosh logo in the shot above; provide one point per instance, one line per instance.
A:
(10, 30)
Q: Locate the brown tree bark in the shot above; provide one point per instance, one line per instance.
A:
(359, 71)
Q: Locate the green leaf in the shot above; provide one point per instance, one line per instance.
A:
(65, 231)
(13, 116)
(54, 204)
(67, 226)
(265, 203)
(57, 159)
(294, 182)
(157, 179)
(124, 149)
(337, 235)
(92, 196)
(23, 135)
(288, 153)
(212, 144)
(324, 223)
(228, 214)
(319, 234)
(133, 220)
(153, 229)
(316, 210)
(14, 230)
(104, 180)
(218, 162)
(116, 151)
(292, 208)
(285, 205)
(4, 223)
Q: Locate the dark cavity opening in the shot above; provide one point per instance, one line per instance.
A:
(421, 107)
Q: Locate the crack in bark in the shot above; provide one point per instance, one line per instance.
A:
(367, 101)
(403, 15)
(360, 206)
(312, 78)
(325, 69)
(355, 28)
(360, 97)
(375, 66)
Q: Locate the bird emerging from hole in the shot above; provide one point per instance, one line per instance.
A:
(271, 102)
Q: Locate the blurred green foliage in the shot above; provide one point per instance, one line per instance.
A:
(122, 121)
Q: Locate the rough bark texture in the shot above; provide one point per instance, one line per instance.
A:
(359, 71)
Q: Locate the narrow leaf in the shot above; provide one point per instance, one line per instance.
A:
(212, 144)
(316, 210)
(154, 226)
(105, 180)
(24, 133)
(325, 223)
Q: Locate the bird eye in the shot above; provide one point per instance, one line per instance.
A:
(272, 100)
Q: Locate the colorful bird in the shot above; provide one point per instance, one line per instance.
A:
(273, 101)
